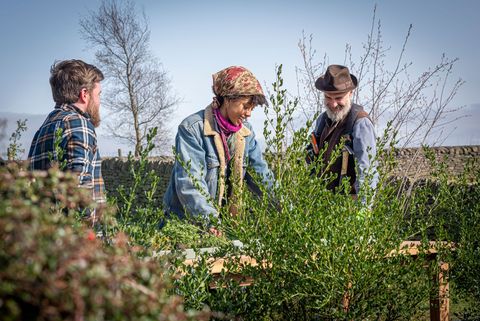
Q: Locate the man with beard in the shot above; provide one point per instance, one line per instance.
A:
(67, 136)
(344, 121)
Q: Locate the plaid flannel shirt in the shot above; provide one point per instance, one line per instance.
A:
(79, 145)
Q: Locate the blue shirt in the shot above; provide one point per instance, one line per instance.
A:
(364, 151)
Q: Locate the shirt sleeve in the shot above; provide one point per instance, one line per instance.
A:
(365, 150)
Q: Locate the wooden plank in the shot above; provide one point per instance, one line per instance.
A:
(217, 265)
(440, 302)
(413, 248)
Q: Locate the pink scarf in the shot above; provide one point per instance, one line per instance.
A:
(226, 129)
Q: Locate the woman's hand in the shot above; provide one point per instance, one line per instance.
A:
(215, 232)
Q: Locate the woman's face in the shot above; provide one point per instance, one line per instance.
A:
(237, 110)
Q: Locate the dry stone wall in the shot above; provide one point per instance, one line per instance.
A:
(411, 163)
(116, 174)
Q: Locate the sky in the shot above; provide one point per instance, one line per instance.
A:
(194, 39)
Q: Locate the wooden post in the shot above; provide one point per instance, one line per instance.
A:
(346, 298)
(440, 302)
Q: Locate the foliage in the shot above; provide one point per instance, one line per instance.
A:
(57, 157)
(316, 250)
(143, 220)
(318, 255)
(453, 202)
(319, 248)
(53, 268)
(138, 90)
(15, 149)
(315, 255)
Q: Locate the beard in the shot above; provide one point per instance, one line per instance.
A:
(94, 112)
(340, 113)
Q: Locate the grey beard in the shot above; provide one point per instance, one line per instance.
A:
(339, 116)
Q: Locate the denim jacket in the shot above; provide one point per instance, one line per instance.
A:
(199, 146)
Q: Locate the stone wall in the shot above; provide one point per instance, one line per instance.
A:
(116, 172)
(411, 163)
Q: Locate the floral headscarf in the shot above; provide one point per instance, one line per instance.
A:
(236, 81)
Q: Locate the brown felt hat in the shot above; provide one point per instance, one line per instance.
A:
(337, 79)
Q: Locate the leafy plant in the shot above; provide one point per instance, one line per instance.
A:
(320, 255)
(454, 212)
(143, 220)
(15, 147)
(57, 157)
(54, 268)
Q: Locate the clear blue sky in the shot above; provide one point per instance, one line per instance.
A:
(194, 39)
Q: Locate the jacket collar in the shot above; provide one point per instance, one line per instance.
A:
(72, 107)
(210, 126)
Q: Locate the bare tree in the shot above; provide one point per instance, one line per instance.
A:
(311, 99)
(415, 106)
(138, 90)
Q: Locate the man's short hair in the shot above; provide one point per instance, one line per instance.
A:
(69, 77)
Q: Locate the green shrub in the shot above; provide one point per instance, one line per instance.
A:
(143, 220)
(454, 205)
(318, 248)
(15, 150)
(52, 267)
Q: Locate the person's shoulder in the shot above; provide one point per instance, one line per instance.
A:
(358, 111)
(63, 118)
(195, 119)
(363, 128)
(75, 119)
(363, 121)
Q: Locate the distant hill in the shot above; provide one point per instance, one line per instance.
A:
(463, 131)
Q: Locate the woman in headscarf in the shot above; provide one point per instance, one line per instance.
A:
(214, 147)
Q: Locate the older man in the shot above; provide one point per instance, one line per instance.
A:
(67, 135)
(344, 120)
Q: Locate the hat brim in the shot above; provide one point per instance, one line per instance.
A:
(322, 85)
